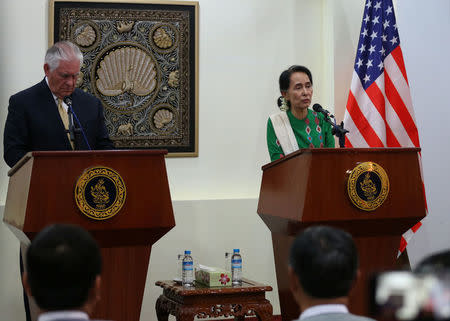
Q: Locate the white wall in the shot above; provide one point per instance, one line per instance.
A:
(241, 54)
(244, 45)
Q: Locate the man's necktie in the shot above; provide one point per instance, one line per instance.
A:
(65, 120)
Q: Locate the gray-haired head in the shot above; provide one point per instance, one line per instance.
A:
(62, 50)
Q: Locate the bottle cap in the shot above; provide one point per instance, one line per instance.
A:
(187, 252)
(236, 251)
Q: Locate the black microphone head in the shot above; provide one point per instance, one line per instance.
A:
(317, 108)
(68, 100)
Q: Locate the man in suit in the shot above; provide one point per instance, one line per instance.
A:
(323, 266)
(38, 116)
(63, 273)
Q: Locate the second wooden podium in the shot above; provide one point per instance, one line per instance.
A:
(47, 188)
(311, 186)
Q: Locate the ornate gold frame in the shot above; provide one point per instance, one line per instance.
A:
(193, 94)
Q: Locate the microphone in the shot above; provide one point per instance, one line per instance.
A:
(68, 100)
(337, 130)
(72, 129)
(318, 109)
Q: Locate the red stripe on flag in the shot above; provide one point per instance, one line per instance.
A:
(397, 54)
(348, 144)
(391, 140)
(416, 227)
(402, 245)
(377, 98)
(401, 110)
(361, 122)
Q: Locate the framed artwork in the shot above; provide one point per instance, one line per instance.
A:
(141, 61)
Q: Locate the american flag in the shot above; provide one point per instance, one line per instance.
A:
(379, 110)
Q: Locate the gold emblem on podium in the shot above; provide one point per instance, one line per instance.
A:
(100, 193)
(368, 186)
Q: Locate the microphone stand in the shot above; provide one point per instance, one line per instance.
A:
(338, 130)
(72, 129)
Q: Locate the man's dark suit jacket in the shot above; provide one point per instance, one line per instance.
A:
(34, 123)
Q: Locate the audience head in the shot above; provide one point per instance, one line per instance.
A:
(323, 262)
(63, 265)
(436, 263)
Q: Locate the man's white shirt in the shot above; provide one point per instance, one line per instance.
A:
(323, 309)
(65, 315)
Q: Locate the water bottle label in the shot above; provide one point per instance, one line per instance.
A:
(236, 263)
(187, 266)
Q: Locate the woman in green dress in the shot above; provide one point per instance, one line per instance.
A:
(296, 126)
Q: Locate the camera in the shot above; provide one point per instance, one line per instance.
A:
(402, 295)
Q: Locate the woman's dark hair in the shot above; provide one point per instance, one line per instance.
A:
(285, 79)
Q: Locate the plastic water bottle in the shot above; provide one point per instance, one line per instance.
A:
(236, 268)
(187, 275)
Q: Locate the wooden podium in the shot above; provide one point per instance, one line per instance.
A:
(309, 187)
(41, 191)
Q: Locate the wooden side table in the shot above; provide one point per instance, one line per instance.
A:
(185, 304)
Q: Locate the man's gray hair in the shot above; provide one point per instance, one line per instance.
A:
(62, 50)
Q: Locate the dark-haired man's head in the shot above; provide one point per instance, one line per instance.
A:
(323, 266)
(435, 263)
(63, 269)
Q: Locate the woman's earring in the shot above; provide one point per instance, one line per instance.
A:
(284, 106)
